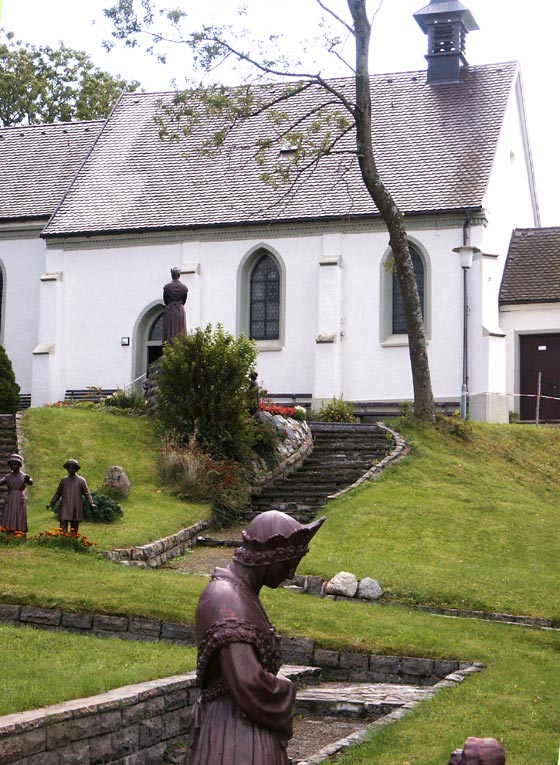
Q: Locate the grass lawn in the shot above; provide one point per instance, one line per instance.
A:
(42, 667)
(466, 524)
(463, 524)
(98, 440)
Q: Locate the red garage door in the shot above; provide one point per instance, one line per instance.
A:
(540, 353)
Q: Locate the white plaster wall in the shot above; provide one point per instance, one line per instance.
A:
(376, 368)
(524, 320)
(104, 292)
(22, 262)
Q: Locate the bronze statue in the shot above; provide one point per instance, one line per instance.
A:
(174, 297)
(253, 392)
(244, 713)
(14, 516)
(479, 751)
(70, 492)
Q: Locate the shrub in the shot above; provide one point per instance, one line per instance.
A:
(107, 510)
(125, 399)
(202, 391)
(191, 474)
(186, 470)
(9, 389)
(300, 413)
(337, 410)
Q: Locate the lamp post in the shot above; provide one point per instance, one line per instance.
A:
(466, 253)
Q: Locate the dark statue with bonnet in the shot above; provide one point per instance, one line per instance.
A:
(174, 296)
(70, 492)
(244, 712)
(479, 751)
(14, 516)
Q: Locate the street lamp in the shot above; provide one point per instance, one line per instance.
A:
(466, 253)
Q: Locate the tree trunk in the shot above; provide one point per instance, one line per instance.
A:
(424, 406)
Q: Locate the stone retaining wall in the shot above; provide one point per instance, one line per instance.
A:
(133, 725)
(100, 625)
(298, 445)
(157, 553)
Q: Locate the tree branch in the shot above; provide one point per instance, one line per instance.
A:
(336, 17)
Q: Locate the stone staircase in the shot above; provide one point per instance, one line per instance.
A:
(341, 454)
(8, 445)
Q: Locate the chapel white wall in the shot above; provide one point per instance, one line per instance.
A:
(22, 261)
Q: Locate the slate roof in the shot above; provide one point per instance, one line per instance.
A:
(532, 270)
(435, 149)
(37, 164)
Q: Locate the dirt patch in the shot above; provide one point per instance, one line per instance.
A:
(313, 733)
(203, 559)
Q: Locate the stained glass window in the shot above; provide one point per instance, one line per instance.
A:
(264, 321)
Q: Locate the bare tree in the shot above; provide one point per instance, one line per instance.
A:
(334, 125)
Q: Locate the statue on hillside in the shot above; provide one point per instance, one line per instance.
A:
(253, 392)
(14, 516)
(174, 296)
(70, 492)
(244, 712)
(479, 751)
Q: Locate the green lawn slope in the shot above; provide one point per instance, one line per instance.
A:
(469, 524)
(98, 440)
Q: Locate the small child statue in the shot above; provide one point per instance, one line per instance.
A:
(70, 491)
(14, 517)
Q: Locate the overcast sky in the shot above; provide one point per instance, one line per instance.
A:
(509, 30)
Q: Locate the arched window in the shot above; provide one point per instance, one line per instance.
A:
(264, 299)
(398, 317)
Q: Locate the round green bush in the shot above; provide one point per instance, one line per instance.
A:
(337, 410)
(107, 510)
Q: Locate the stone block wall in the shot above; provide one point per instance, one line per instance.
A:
(133, 725)
(100, 625)
(157, 553)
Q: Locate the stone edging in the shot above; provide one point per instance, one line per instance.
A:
(400, 451)
(157, 553)
(100, 625)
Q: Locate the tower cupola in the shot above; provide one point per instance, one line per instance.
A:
(447, 23)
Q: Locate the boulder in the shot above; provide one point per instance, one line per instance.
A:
(343, 583)
(369, 589)
(116, 481)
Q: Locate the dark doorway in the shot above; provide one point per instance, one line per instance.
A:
(155, 340)
(540, 353)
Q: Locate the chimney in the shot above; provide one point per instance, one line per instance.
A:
(447, 23)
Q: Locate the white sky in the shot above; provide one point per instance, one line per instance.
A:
(509, 30)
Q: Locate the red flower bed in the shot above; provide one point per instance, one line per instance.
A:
(284, 411)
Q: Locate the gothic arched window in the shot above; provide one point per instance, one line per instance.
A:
(398, 317)
(264, 315)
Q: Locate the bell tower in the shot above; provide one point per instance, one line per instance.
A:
(447, 23)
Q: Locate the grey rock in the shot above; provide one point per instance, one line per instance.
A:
(369, 589)
(344, 583)
(117, 480)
